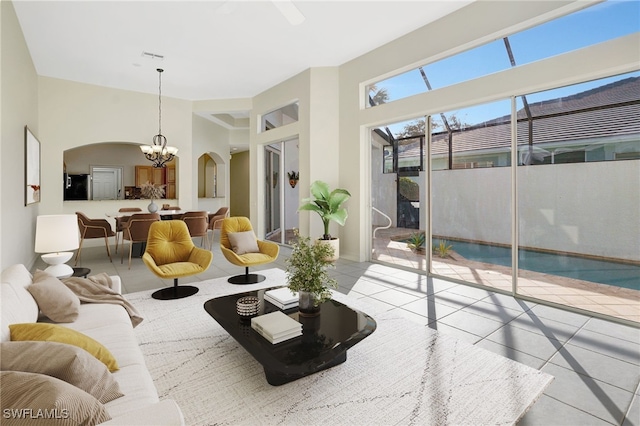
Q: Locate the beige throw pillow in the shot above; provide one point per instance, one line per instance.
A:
(243, 242)
(66, 362)
(37, 399)
(54, 299)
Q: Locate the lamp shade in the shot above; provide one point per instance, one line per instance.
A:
(56, 233)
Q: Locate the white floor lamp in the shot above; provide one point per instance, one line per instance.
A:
(55, 234)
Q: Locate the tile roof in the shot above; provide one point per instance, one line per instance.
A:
(568, 119)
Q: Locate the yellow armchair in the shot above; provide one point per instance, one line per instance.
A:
(170, 253)
(240, 246)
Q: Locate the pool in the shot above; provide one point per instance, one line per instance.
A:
(598, 271)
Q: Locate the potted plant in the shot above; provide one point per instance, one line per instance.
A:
(152, 191)
(328, 204)
(307, 273)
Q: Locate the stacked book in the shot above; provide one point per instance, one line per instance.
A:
(282, 297)
(276, 327)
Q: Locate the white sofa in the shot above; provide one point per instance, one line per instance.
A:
(110, 325)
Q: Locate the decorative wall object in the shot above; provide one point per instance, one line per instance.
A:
(294, 177)
(31, 168)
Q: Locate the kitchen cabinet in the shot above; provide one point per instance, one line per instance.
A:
(171, 182)
(151, 174)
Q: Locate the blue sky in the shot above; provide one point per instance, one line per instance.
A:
(604, 21)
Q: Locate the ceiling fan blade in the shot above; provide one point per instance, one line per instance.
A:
(289, 11)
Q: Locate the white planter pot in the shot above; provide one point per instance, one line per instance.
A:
(335, 243)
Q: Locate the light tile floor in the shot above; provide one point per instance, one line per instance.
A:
(596, 363)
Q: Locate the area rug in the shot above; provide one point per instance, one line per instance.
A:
(403, 374)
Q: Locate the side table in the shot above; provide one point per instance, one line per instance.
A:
(81, 272)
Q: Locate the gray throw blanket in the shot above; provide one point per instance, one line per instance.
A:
(97, 289)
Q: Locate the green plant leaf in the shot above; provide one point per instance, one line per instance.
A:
(320, 190)
(339, 217)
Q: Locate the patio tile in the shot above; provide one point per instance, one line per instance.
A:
(435, 285)
(453, 299)
(530, 343)
(544, 326)
(612, 329)
(475, 324)
(597, 398)
(634, 413)
(468, 291)
(618, 373)
(624, 350)
(394, 297)
(367, 287)
(508, 302)
(495, 312)
(429, 308)
(560, 315)
(549, 411)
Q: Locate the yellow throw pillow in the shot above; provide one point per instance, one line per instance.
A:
(57, 333)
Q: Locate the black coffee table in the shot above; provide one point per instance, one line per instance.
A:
(323, 344)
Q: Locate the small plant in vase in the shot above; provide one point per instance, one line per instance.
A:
(152, 191)
(307, 274)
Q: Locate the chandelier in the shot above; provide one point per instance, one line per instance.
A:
(159, 153)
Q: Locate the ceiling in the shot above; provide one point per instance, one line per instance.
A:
(211, 49)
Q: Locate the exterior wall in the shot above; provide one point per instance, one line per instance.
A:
(19, 108)
(587, 208)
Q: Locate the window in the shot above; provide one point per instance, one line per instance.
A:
(596, 24)
(280, 117)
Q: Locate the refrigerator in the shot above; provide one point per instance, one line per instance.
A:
(77, 187)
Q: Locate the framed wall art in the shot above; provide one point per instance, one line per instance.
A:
(31, 168)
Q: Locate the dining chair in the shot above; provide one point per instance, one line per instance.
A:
(197, 223)
(215, 222)
(136, 230)
(120, 220)
(93, 228)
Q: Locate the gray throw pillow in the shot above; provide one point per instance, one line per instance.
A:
(54, 299)
(243, 242)
(66, 362)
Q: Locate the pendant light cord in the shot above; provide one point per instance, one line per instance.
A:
(159, 100)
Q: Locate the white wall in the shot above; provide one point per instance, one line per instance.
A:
(212, 139)
(18, 108)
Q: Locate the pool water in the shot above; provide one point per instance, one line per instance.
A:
(598, 271)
